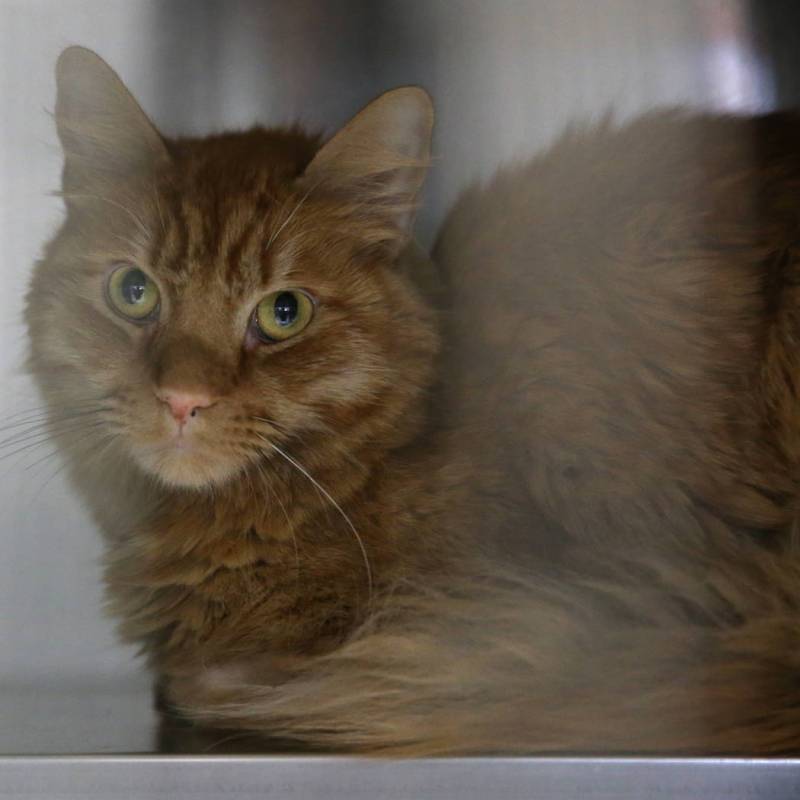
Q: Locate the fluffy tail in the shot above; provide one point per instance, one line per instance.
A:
(693, 655)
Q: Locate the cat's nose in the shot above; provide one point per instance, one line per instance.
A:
(183, 405)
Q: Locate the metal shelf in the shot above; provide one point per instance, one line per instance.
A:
(268, 777)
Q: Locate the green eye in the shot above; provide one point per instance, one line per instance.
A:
(284, 314)
(131, 293)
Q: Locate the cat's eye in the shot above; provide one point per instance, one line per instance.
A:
(132, 293)
(281, 315)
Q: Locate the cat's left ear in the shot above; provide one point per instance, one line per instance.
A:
(379, 159)
(103, 130)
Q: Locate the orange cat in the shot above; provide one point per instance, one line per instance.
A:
(545, 505)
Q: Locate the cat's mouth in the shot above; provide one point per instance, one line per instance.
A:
(180, 442)
(183, 462)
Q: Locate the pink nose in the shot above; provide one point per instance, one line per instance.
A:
(183, 405)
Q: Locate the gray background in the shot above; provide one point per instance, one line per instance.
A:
(506, 77)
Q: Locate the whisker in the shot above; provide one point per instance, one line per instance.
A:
(44, 430)
(158, 208)
(250, 483)
(294, 535)
(76, 437)
(59, 449)
(132, 244)
(45, 423)
(333, 502)
(69, 458)
(290, 216)
(41, 438)
(276, 496)
(28, 412)
(45, 411)
(135, 217)
(277, 426)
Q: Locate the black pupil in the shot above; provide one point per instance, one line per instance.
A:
(133, 287)
(285, 309)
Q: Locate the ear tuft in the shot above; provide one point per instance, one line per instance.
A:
(102, 128)
(381, 156)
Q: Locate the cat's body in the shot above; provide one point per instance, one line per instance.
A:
(646, 280)
(555, 513)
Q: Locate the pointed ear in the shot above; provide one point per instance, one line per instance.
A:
(104, 132)
(379, 158)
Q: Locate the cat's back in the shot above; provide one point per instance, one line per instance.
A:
(613, 302)
(605, 203)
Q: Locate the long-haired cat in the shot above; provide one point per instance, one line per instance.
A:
(543, 503)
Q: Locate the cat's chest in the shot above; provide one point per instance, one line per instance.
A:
(244, 594)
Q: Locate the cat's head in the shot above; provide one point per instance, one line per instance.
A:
(207, 299)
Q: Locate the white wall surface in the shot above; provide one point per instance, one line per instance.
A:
(506, 76)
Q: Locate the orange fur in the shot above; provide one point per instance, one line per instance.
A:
(568, 528)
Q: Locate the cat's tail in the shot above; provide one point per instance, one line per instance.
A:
(642, 654)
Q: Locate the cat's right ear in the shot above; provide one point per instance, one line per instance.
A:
(103, 130)
(379, 160)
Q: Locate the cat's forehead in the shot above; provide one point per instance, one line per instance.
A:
(221, 201)
(241, 164)
(214, 240)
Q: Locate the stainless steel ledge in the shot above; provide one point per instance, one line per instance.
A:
(335, 778)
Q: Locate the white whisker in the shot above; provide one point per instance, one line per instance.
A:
(320, 488)
(290, 217)
(45, 426)
(88, 451)
(273, 494)
(158, 208)
(43, 437)
(143, 229)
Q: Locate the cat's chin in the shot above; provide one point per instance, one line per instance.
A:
(182, 469)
